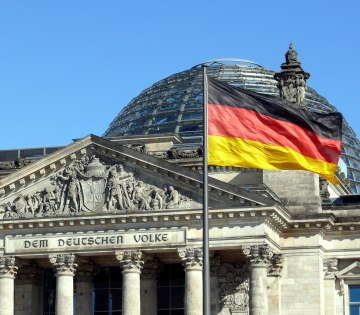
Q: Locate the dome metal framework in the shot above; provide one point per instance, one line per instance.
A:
(175, 105)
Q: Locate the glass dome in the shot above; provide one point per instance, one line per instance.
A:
(174, 105)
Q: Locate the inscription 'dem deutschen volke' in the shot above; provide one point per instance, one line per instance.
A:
(103, 240)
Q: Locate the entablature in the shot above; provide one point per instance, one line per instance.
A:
(156, 219)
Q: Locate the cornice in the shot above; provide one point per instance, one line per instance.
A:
(276, 216)
(40, 168)
(178, 217)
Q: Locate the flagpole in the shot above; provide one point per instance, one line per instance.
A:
(206, 260)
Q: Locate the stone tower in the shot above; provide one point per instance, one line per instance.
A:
(292, 78)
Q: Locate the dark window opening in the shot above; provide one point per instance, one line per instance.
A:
(171, 290)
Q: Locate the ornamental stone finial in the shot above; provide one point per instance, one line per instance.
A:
(192, 258)
(64, 264)
(291, 55)
(130, 260)
(292, 79)
(7, 267)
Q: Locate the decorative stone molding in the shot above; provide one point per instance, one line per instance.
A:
(130, 260)
(234, 288)
(175, 153)
(276, 265)
(7, 267)
(258, 255)
(192, 258)
(139, 148)
(330, 268)
(64, 264)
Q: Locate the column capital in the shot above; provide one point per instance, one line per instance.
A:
(192, 258)
(258, 255)
(64, 264)
(130, 260)
(7, 267)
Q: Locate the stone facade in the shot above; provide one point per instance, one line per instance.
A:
(99, 203)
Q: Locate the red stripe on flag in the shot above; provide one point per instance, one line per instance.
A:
(246, 124)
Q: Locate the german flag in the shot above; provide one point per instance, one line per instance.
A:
(251, 130)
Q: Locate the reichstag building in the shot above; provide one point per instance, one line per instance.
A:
(112, 224)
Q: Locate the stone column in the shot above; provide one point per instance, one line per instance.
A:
(29, 290)
(259, 259)
(65, 268)
(84, 281)
(192, 259)
(7, 275)
(148, 287)
(131, 264)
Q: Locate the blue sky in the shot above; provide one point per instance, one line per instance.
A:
(68, 67)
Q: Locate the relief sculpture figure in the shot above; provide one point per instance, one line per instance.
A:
(157, 200)
(71, 192)
(89, 185)
(139, 197)
(172, 198)
(117, 190)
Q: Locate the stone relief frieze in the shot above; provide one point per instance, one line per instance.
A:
(292, 88)
(234, 288)
(89, 185)
(292, 79)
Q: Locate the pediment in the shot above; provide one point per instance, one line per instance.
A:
(95, 175)
(350, 271)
